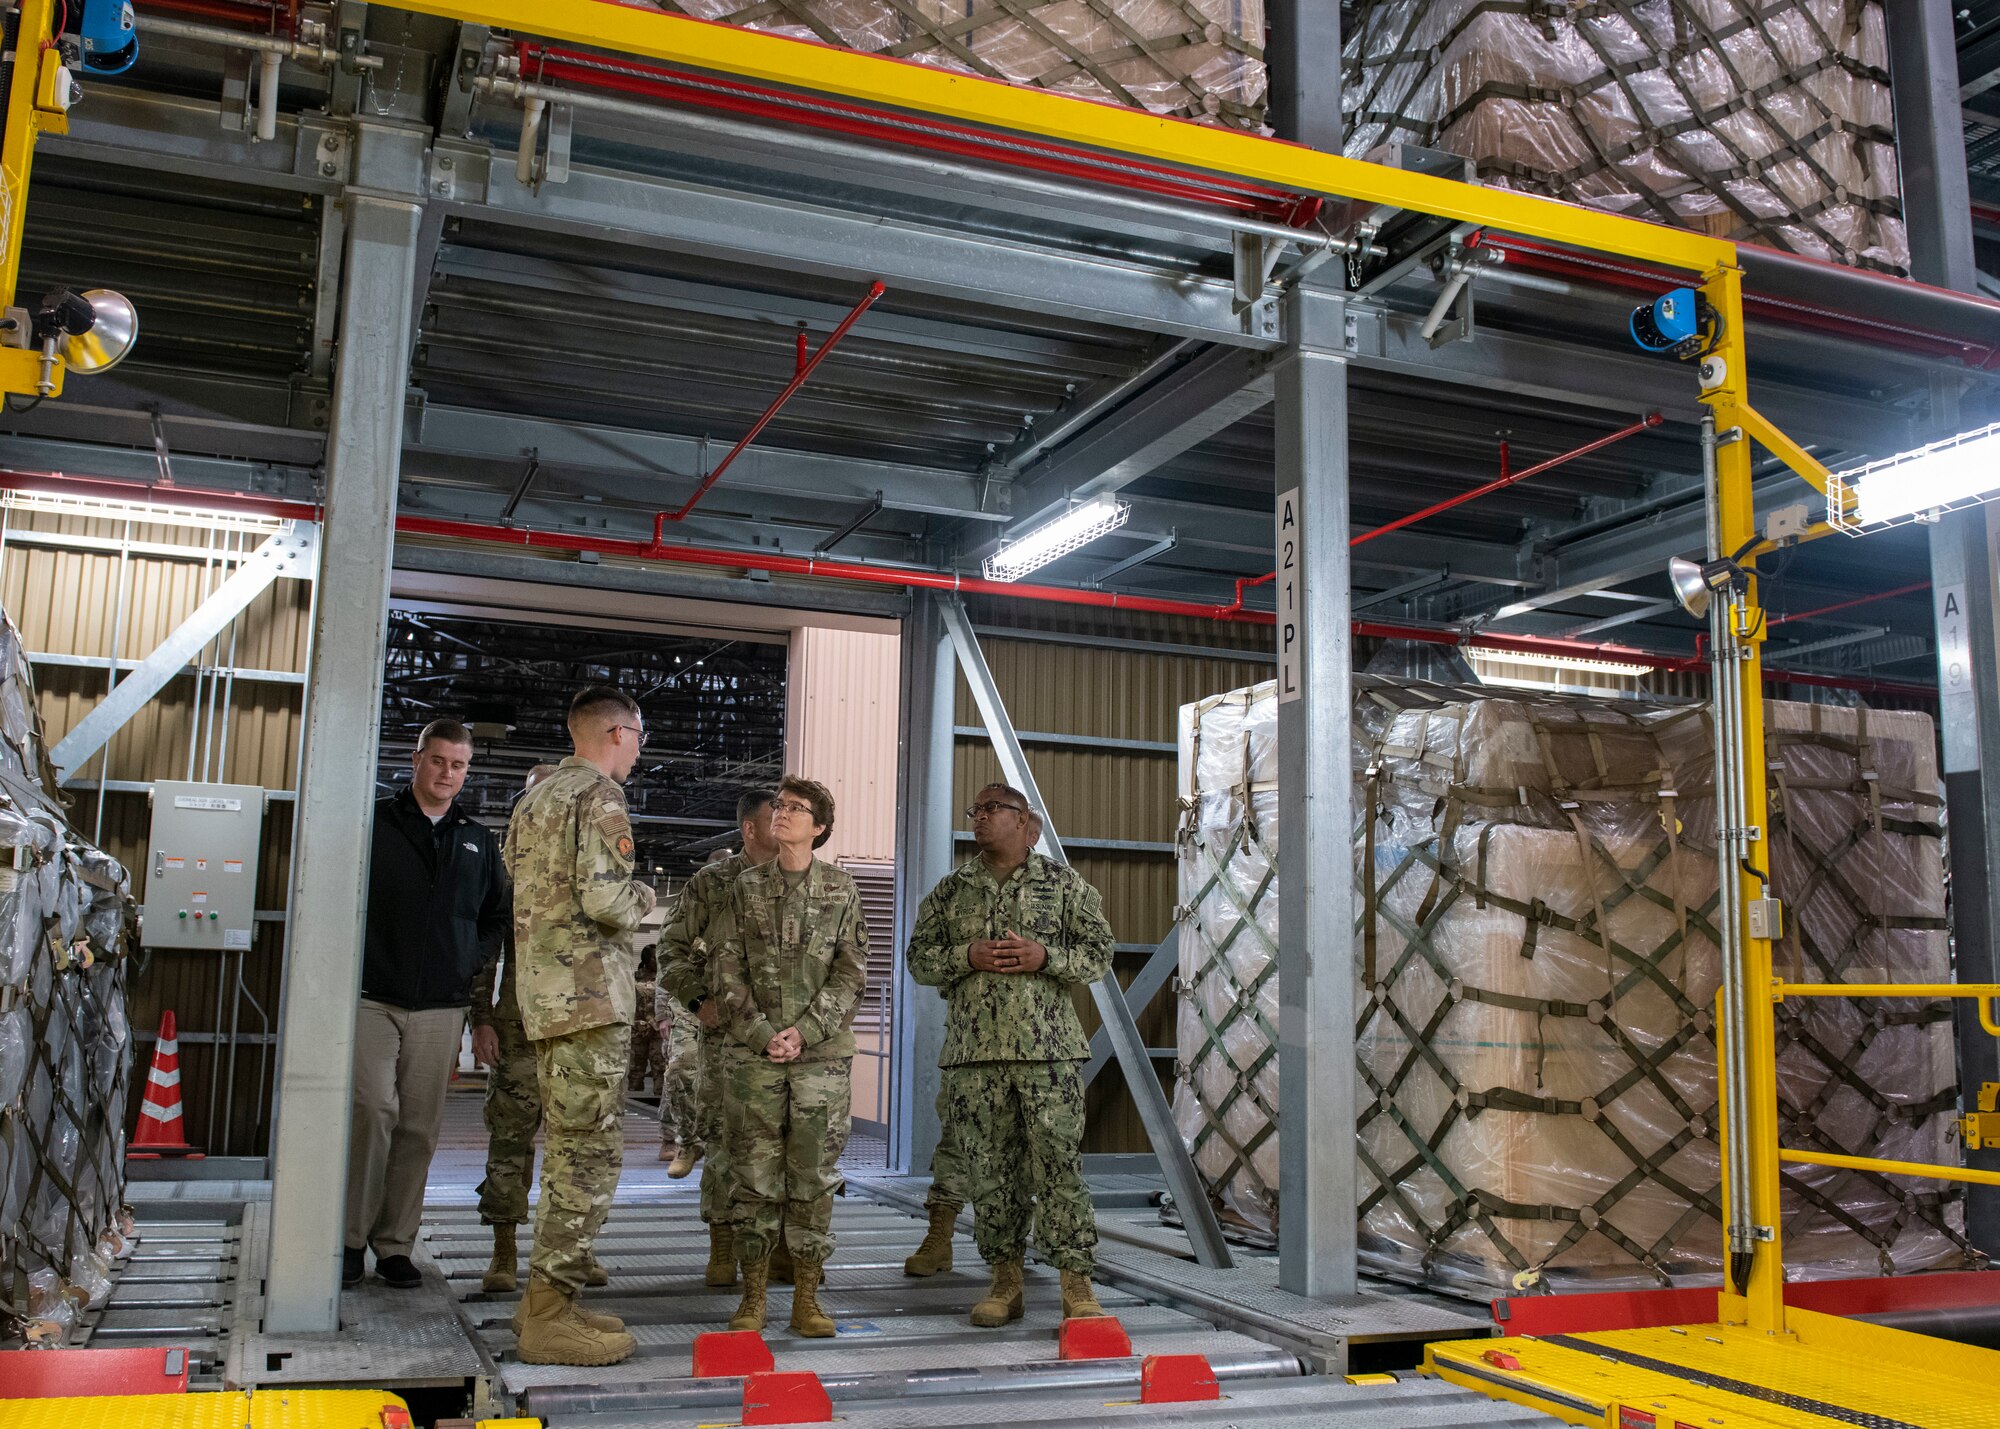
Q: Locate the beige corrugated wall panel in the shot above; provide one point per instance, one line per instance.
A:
(1106, 794)
(66, 602)
(840, 728)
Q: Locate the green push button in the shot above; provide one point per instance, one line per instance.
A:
(184, 912)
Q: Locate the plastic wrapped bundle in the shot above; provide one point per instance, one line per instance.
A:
(65, 1044)
(1536, 970)
(1195, 59)
(1765, 120)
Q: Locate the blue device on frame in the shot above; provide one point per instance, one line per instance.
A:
(110, 36)
(1670, 323)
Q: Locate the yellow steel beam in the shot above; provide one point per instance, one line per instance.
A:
(727, 49)
(1726, 395)
(17, 145)
(1924, 1169)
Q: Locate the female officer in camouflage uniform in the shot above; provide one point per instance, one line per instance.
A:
(794, 956)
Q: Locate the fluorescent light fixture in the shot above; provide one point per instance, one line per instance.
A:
(1071, 531)
(140, 513)
(1575, 664)
(1917, 485)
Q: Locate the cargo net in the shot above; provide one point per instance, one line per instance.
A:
(1194, 59)
(1536, 969)
(65, 1047)
(1765, 120)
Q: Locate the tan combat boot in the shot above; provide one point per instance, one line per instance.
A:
(781, 1260)
(933, 1257)
(750, 1310)
(721, 1255)
(596, 1319)
(684, 1158)
(808, 1320)
(1079, 1296)
(1003, 1297)
(504, 1272)
(550, 1331)
(594, 1274)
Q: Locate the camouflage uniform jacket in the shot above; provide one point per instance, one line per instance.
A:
(576, 904)
(796, 959)
(1011, 1017)
(687, 951)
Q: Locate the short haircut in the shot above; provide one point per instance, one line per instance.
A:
(595, 703)
(447, 731)
(753, 803)
(538, 774)
(1009, 790)
(817, 795)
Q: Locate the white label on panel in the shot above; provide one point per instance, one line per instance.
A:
(176, 862)
(232, 865)
(201, 865)
(233, 938)
(199, 897)
(207, 801)
(1291, 615)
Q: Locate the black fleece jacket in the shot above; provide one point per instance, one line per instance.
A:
(438, 905)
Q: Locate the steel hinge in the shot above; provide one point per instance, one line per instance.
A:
(1981, 1129)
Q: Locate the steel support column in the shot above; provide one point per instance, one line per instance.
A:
(1183, 1182)
(1316, 1242)
(1304, 54)
(923, 857)
(337, 782)
(1930, 147)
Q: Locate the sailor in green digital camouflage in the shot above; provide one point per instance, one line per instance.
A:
(687, 984)
(793, 961)
(1006, 938)
(576, 906)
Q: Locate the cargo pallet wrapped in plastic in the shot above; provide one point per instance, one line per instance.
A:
(1536, 971)
(1764, 120)
(1194, 59)
(65, 1048)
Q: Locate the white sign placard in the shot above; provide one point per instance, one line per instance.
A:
(1291, 608)
(207, 801)
(1954, 642)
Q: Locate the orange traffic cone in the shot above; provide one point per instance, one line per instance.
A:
(159, 1133)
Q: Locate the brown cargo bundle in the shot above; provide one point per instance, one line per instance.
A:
(1195, 59)
(1765, 120)
(1537, 972)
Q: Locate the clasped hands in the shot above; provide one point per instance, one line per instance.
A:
(1011, 954)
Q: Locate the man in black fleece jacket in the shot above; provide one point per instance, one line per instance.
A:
(438, 908)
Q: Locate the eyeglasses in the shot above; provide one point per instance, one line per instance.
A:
(992, 807)
(791, 806)
(635, 730)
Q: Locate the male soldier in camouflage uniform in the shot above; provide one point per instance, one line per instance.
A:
(793, 962)
(677, 1033)
(687, 982)
(645, 1037)
(513, 1110)
(576, 905)
(1005, 938)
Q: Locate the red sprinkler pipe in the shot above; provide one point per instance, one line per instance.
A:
(806, 368)
(1910, 589)
(914, 578)
(1507, 478)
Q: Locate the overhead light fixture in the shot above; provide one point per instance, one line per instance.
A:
(1071, 531)
(149, 513)
(1579, 664)
(1695, 582)
(1918, 485)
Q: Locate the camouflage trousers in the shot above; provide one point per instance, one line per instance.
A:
(786, 1125)
(582, 1078)
(513, 1115)
(712, 1089)
(947, 1163)
(647, 1055)
(1020, 1132)
(681, 1105)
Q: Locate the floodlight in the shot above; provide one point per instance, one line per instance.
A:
(113, 330)
(1694, 582)
(1071, 531)
(1917, 485)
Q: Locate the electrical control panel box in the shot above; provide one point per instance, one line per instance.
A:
(201, 866)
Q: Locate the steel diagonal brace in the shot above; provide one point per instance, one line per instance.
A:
(1183, 1182)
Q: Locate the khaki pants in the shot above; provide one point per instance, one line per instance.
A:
(402, 1069)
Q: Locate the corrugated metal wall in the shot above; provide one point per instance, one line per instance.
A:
(64, 579)
(841, 690)
(1082, 678)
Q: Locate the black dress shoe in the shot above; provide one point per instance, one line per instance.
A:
(398, 1272)
(352, 1268)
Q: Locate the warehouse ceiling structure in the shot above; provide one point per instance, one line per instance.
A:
(621, 266)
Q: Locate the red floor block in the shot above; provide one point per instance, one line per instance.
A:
(1100, 1337)
(791, 1398)
(731, 1352)
(72, 1374)
(1177, 1379)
